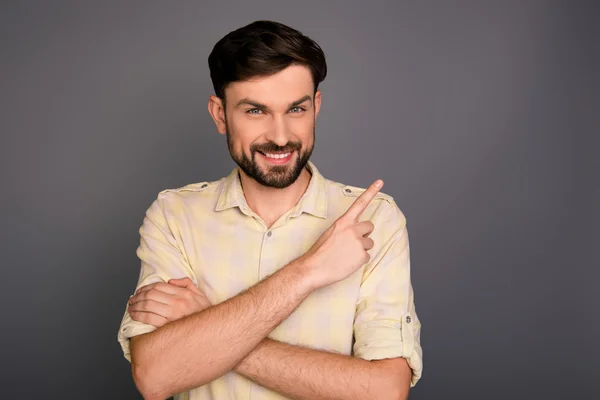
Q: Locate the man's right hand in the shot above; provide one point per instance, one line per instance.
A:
(342, 248)
(159, 303)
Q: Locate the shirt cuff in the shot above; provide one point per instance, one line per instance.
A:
(376, 340)
(128, 329)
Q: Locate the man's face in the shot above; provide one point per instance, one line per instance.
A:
(270, 125)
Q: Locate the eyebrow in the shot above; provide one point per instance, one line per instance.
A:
(263, 107)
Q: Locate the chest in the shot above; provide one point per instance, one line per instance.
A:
(231, 255)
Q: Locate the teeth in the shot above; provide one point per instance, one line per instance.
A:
(277, 155)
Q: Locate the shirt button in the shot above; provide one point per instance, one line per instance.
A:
(348, 191)
(269, 233)
(408, 320)
(205, 185)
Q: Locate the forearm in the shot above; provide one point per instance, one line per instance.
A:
(195, 350)
(301, 373)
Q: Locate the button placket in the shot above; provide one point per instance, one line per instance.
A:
(264, 264)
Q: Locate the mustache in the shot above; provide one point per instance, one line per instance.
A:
(274, 148)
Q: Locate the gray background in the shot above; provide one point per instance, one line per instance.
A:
(482, 117)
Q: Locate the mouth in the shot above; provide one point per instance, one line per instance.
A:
(277, 158)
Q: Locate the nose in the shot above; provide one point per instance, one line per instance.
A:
(278, 132)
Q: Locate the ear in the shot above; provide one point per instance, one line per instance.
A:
(317, 103)
(216, 109)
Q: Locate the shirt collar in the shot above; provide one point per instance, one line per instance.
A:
(313, 201)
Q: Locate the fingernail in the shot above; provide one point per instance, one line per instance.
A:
(379, 183)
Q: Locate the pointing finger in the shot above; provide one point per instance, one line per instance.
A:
(361, 203)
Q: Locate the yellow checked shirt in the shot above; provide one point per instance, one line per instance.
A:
(207, 232)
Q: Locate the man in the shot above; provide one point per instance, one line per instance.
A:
(272, 282)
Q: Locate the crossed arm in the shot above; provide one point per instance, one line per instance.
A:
(302, 373)
(166, 361)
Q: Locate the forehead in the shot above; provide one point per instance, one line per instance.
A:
(281, 88)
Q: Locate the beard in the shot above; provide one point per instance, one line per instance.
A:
(276, 176)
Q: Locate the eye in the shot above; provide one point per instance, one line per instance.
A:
(253, 111)
(297, 110)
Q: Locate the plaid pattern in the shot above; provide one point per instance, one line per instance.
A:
(207, 232)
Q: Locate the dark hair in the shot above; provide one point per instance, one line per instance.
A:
(263, 48)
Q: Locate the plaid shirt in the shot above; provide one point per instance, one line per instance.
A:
(207, 232)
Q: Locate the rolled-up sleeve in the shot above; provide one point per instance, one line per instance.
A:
(161, 259)
(386, 324)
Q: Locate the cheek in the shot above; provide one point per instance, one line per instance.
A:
(251, 128)
(302, 128)
(244, 133)
(304, 132)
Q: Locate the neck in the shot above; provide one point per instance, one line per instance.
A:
(271, 203)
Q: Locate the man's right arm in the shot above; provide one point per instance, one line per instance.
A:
(197, 349)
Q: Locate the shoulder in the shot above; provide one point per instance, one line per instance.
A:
(383, 206)
(198, 196)
(198, 187)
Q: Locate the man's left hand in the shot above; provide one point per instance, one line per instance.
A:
(159, 303)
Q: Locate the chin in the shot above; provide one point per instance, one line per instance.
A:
(279, 178)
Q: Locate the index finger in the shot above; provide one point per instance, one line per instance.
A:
(160, 286)
(361, 203)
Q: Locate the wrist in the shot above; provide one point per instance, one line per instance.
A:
(305, 270)
(245, 365)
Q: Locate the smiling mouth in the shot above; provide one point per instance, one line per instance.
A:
(277, 158)
(276, 155)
